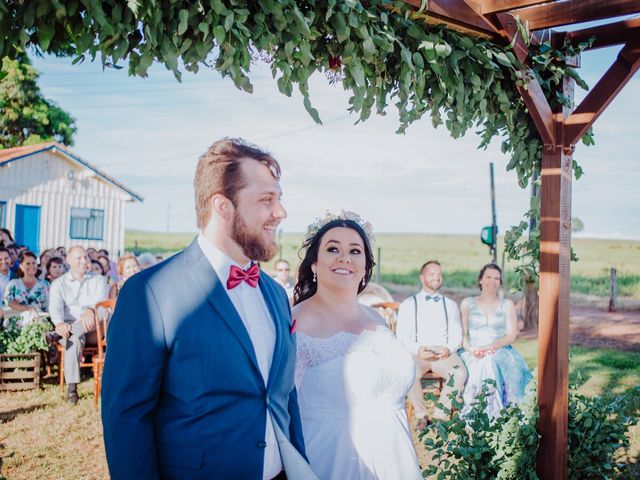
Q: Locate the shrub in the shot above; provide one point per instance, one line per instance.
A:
(27, 339)
(476, 447)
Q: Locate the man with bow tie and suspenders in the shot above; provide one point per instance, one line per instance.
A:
(199, 374)
(429, 326)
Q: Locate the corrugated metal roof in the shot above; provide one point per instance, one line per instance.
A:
(17, 153)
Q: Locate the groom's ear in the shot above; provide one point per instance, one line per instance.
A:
(222, 207)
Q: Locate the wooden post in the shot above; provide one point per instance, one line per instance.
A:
(613, 301)
(553, 332)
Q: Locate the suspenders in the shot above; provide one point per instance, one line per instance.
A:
(415, 317)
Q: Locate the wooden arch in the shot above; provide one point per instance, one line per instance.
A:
(559, 131)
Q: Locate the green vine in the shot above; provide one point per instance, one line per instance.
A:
(381, 51)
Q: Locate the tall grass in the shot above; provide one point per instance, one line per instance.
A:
(401, 255)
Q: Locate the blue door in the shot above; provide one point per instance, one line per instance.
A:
(28, 227)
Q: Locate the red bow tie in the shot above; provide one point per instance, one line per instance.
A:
(238, 275)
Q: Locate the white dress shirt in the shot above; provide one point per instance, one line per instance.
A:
(69, 297)
(432, 325)
(4, 280)
(254, 313)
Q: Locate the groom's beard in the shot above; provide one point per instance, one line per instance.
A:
(253, 246)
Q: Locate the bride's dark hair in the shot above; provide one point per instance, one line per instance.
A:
(305, 287)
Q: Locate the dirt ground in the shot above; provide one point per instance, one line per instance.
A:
(589, 326)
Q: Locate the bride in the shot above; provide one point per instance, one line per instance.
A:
(352, 374)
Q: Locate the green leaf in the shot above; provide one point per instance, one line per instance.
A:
(184, 21)
(312, 111)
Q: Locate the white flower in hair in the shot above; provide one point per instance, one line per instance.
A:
(341, 214)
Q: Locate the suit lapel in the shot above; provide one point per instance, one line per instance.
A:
(206, 278)
(276, 315)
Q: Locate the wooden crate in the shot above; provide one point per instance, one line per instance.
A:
(19, 371)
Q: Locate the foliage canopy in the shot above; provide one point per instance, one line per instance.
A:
(380, 50)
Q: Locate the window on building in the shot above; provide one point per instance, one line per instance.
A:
(87, 224)
(3, 214)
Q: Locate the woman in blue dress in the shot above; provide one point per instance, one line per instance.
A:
(490, 326)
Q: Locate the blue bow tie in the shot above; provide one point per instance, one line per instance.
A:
(435, 298)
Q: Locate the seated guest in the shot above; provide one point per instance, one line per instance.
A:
(489, 327)
(106, 269)
(127, 266)
(13, 255)
(27, 292)
(72, 296)
(55, 268)
(44, 259)
(96, 268)
(113, 267)
(146, 260)
(282, 277)
(92, 253)
(5, 272)
(5, 237)
(429, 327)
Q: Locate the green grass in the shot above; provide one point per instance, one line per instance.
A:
(462, 256)
(44, 437)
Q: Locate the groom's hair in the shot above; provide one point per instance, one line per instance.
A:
(218, 171)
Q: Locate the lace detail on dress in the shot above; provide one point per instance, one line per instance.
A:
(314, 351)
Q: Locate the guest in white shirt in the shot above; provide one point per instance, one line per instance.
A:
(71, 298)
(282, 277)
(429, 326)
(5, 271)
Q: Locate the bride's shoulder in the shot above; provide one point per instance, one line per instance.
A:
(304, 314)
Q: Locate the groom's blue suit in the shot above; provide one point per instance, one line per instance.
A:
(182, 395)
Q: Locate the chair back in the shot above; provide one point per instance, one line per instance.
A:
(104, 311)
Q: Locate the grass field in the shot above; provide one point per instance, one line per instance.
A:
(42, 437)
(461, 256)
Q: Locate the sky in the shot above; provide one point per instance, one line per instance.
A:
(149, 132)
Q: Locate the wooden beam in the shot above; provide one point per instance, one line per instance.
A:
(603, 93)
(553, 331)
(497, 6)
(568, 12)
(457, 12)
(608, 35)
(532, 95)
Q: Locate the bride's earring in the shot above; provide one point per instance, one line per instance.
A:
(314, 277)
(364, 281)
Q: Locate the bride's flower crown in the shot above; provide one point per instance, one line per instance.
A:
(320, 222)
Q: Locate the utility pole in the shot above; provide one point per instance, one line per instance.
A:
(494, 223)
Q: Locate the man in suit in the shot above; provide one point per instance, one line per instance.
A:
(199, 376)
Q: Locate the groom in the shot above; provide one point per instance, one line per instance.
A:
(199, 377)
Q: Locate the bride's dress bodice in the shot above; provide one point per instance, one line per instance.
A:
(346, 372)
(351, 392)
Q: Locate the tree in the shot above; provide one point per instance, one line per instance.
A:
(26, 117)
(577, 225)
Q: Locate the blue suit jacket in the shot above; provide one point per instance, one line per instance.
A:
(182, 395)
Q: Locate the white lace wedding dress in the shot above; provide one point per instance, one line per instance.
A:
(351, 392)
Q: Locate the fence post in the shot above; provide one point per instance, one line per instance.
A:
(378, 266)
(613, 300)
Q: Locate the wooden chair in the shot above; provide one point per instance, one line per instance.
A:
(104, 311)
(430, 377)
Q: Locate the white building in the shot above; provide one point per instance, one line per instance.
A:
(50, 197)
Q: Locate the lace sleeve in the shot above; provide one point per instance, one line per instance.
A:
(303, 359)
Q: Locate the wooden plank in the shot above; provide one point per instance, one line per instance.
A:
(456, 12)
(553, 328)
(17, 364)
(497, 6)
(20, 374)
(540, 111)
(603, 93)
(615, 33)
(569, 12)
